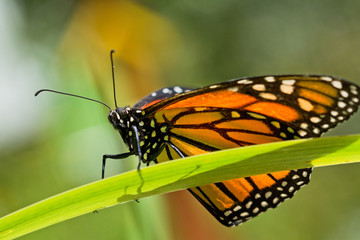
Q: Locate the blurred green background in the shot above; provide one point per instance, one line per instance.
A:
(52, 143)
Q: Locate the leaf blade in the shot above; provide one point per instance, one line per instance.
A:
(180, 174)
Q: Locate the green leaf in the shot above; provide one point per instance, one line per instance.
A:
(181, 174)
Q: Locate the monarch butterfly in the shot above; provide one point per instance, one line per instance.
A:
(173, 123)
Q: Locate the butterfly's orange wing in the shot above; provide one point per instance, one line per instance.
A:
(244, 112)
(238, 200)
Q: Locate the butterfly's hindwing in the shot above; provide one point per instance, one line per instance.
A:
(232, 203)
(235, 201)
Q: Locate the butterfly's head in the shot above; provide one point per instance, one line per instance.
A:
(119, 117)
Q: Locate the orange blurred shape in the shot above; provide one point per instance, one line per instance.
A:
(145, 44)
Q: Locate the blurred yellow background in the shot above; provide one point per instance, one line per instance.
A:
(53, 143)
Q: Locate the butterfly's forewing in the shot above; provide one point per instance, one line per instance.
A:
(312, 104)
(159, 95)
(245, 112)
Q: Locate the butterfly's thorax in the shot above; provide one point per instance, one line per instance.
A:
(150, 135)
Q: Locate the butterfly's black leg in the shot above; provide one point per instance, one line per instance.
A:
(136, 141)
(115, 156)
(181, 154)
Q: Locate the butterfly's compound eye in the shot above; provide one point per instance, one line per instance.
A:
(115, 119)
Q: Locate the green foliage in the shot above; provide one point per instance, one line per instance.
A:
(181, 174)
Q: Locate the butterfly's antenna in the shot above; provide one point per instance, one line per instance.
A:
(73, 95)
(113, 74)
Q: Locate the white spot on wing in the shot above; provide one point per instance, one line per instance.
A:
(214, 86)
(302, 133)
(334, 113)
(233, 89)
(337, 84)
(244, 214)
(315, 119)
(269, 79)
(237, 208)
(289, 82)
(295, 176)
(244, 81)
(353, 87)
(326, 78)
(341, 104)
(344, 93)
(287, 89)
(304, 125)
(268, 96)
(305, 104)
(178, 89)
(300, 183)
(316, 131)
(259, 87)
(227, 213)
(283, 195)
(268, 194)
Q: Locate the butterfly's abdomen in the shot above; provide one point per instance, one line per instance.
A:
(153, 136)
